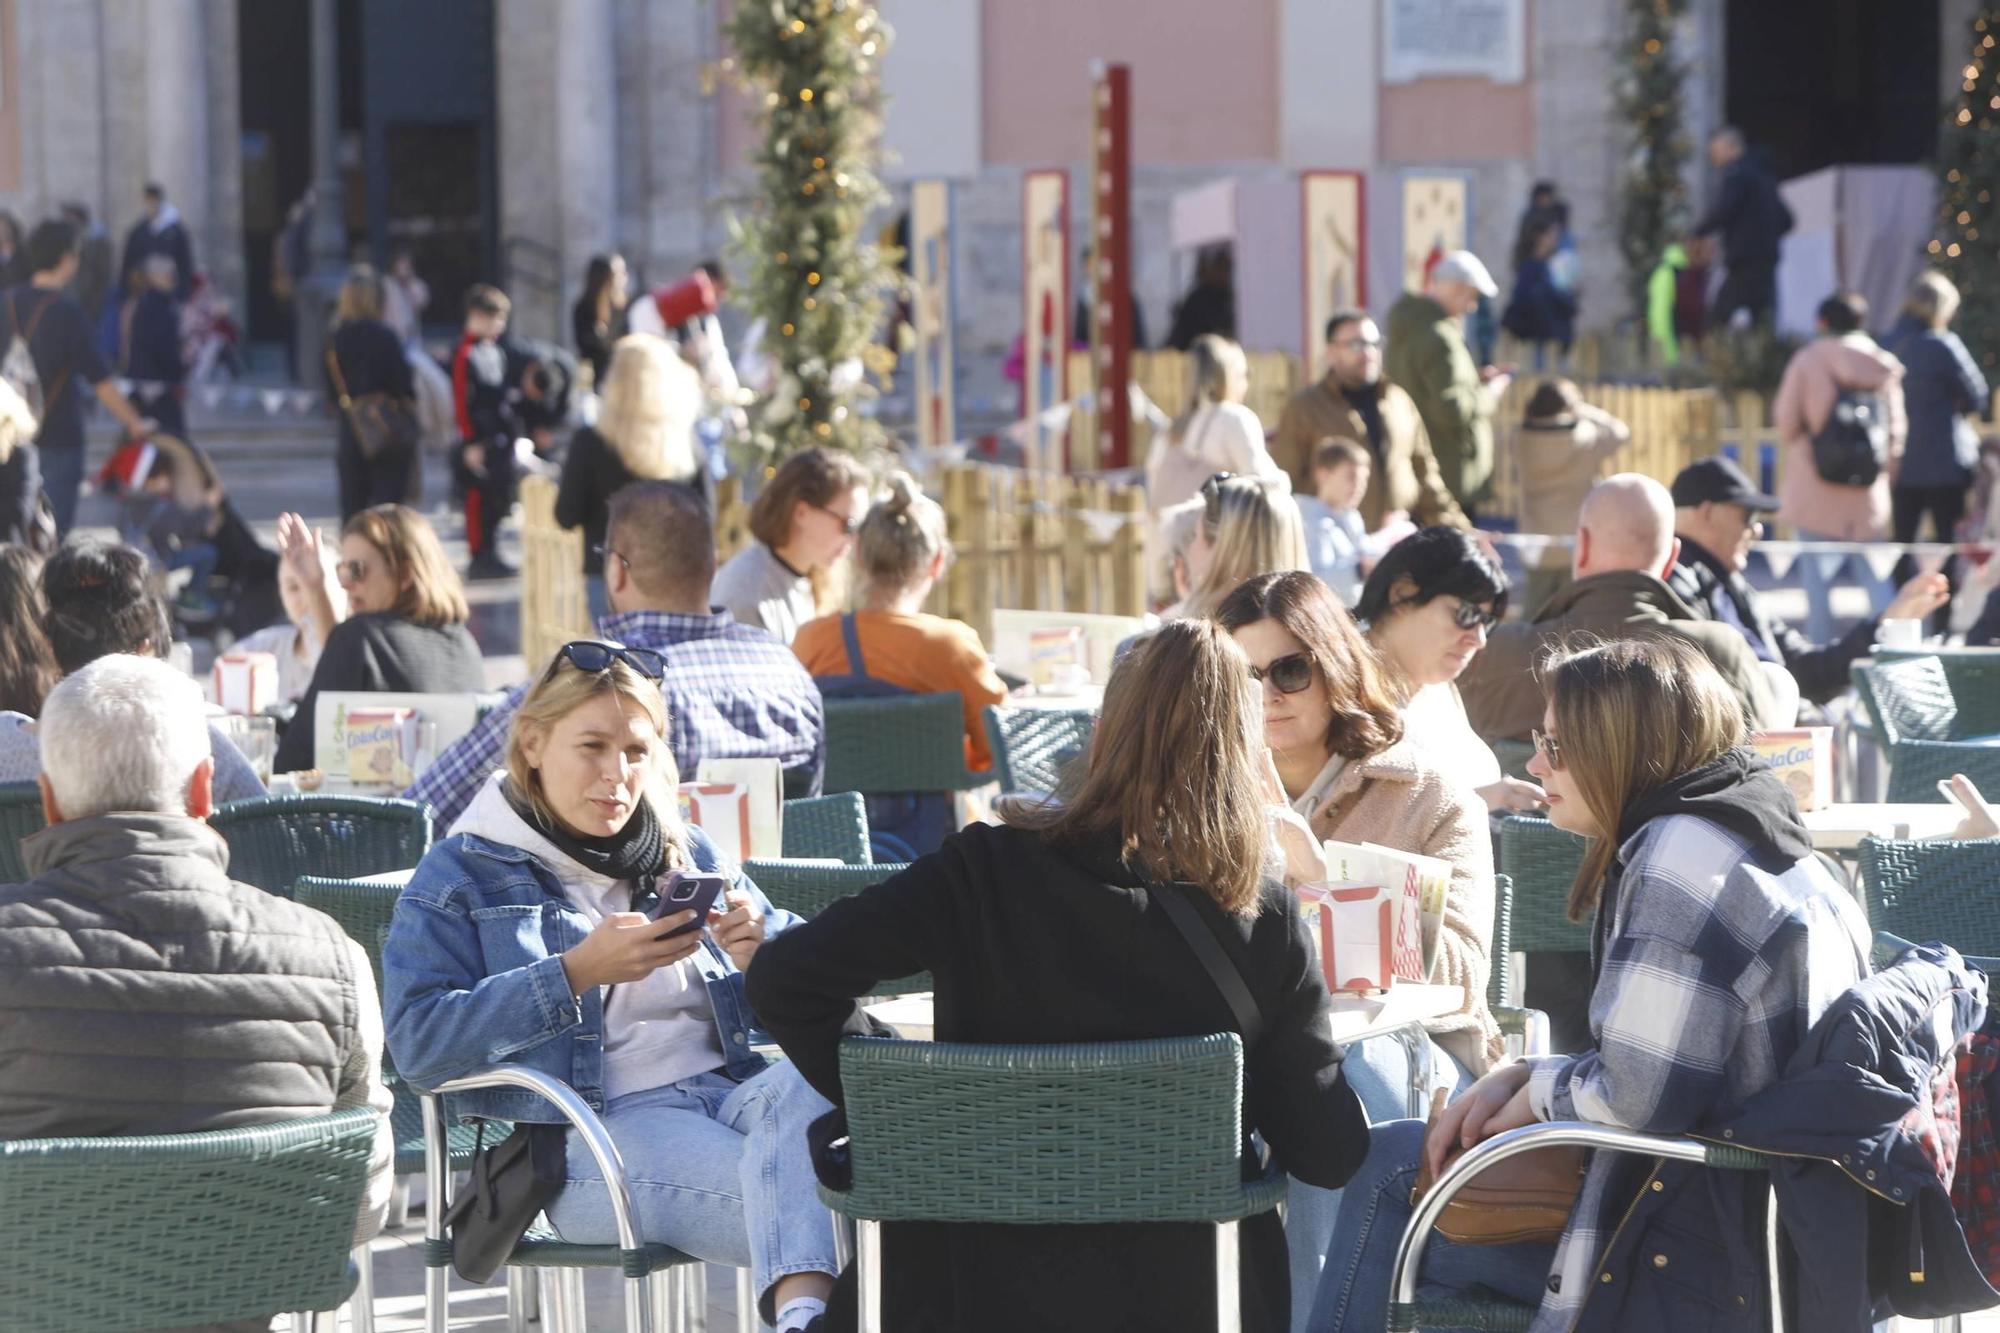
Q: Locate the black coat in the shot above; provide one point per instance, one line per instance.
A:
(1749, 213)
(592, 472)
(1723, 594)
(20, 489)
(1032, 943)
(381, 651)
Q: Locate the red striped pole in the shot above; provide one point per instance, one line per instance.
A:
(1111, 278)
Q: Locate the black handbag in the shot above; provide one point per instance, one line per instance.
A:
(509, 1185)
(1853, 446)
(382, 422)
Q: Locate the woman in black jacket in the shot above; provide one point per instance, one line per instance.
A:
(405, 631)
(1046, 931)
(599, 314)
(365, 356)
(644, 432)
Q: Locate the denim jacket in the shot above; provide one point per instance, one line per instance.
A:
(473, 972)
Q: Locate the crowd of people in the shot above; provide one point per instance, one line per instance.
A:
(1338, 651)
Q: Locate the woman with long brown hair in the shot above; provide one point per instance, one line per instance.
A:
(1719, 940)
(405, 631)
(1054, 926)
(28, 668)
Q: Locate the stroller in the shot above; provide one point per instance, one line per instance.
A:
(172, 505)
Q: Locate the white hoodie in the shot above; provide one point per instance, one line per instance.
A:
(658, 1030)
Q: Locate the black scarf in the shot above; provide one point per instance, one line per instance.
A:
(637, 852)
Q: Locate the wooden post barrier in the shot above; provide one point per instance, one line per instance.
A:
(554, 607)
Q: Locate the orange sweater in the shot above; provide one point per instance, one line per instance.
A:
(925, 654)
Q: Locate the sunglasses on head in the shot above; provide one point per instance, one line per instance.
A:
(1547, 747)
(592, 655)
(1288, 674)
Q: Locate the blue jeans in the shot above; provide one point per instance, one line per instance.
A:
(1379, 1072)
(716, 1168)
(1818, 574)
(62, 479)
(199, 557)
(1375, 1210)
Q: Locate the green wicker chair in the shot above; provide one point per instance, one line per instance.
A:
(1032, 747)
(663, 1286)
(172, 1229)
(20, 815)
(1408, 1313)
(1530, 1026)
(1937, 890)
(808, 889)
(827, 826)
(1048, 1135)
(1542, 862)
(1916, 768)
(898, 743)
(1973, 677)
(273, 840)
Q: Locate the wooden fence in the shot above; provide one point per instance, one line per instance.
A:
(1024, 540)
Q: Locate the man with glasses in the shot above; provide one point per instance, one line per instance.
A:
(733, 691)
(1352, 401)
(1624, 549)
(1716, 518)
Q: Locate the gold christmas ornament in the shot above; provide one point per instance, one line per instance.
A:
(805, 94)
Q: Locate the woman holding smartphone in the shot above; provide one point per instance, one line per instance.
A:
(544, 931)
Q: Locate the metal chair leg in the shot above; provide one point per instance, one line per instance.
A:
(843, 1240)
(746, 1296)
(520, 1308)
(555, 1310)
(361, 1305)
(399, 1205)
(1228, 1306)
(694, 1316)
(575, 1307)
(868, 1255)
(437, 1277)
(665, 1299)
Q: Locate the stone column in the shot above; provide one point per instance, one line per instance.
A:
(326, 246)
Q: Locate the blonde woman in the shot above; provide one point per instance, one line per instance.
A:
(1248, 526)
(802, 523)
(365, 356)
(533, 933)
(1720, 940)
(1056, 925)
(20, 476)
(1214, 433)
(405, 630)
(644, 432)
(902, 552)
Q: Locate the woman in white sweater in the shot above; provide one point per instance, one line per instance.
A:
(1216, 432)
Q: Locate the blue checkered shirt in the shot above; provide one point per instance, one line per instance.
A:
(733, 691)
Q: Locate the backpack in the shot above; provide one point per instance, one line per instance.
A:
(1851, 448)
(17, 367)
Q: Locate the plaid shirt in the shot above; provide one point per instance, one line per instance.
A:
(732, 692)
(1713, 972)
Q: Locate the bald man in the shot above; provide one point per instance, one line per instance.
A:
(1625, 546)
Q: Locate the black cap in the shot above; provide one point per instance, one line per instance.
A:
(1719, 481)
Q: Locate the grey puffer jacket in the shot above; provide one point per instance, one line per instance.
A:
(142, 991)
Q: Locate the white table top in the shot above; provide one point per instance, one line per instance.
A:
(1081, 696)
(1840, 828)
(1357, 1017)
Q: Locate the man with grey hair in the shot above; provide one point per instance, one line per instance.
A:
(142, 991)
(1428, 359)
(1625, 547)
(1750, 215)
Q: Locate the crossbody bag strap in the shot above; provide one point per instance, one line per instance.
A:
(851, 635)
(1228, 978)
(339, 380)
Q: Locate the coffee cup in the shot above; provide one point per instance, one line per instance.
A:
(1903, 632)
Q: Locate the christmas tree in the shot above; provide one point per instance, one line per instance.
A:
(811, 271)
(1647, 90)
(1968, 175)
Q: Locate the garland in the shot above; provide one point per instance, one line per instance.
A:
(1647, 92)
(1965, 245)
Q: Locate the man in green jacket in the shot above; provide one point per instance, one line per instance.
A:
(1428, 358)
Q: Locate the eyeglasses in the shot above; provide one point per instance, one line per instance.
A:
(1548, 748)
(1288, 674)
(350, 571)
(1471, 615)
(592, 655)
(851, 525)
(603, 553)
(1359, 344)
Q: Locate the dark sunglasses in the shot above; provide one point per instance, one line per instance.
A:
(851, 525)
(605, 553)
(1471, 615)
(592, 655)
(1288, 674)
(350, 571)
(1547, 747)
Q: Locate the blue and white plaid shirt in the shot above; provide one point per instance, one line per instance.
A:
(732, 691)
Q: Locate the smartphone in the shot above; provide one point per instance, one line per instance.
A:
(687, 892)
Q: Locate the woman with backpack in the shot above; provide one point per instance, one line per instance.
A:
(1841, 368)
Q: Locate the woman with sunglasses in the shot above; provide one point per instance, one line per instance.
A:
(1248, 526)
(1719, 939)
(535, 934)
(1428, 605)
(1343, 771)
(803, 522)
(405, 630)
